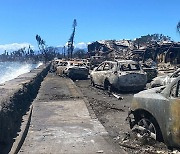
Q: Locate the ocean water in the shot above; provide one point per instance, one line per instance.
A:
(11, 70)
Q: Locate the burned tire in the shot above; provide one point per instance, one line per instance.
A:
(147, 125)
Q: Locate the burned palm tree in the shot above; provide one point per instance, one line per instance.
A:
(178, 27)
(71, 40)
(41, 43)
(42, 47)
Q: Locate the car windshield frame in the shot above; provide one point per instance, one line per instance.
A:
(129, 67)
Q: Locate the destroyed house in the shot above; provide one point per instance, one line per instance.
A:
(169, 52)
(160, 52)
(137, 55)
(108, 48)
(97, 48)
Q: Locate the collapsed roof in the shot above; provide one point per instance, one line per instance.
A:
(127, 49)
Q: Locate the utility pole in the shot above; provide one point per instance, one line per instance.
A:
(71, 40)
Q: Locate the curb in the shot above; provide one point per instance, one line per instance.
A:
(22, 135)
(91, 111)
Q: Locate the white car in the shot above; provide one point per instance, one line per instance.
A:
(76, 70)
(123, 75)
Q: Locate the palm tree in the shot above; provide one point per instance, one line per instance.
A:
(178, 27)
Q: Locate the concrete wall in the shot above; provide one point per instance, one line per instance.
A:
(16, 97)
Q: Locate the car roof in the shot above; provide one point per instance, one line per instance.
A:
(125, 61)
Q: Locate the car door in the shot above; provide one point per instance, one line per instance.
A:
(105, 73)
(174, 119)
(102, 75)
(96, 74)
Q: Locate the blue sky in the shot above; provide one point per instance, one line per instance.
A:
(21, 20)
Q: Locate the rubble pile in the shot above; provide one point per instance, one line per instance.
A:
(159, 52)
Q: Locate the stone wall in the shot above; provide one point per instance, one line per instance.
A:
(16, 97)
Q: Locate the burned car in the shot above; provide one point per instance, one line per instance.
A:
(123, 75)
(54, 65)
(56, 62)
(76, 70)
(61, 67)
(151, 72)
(165, 79)
(156, 113)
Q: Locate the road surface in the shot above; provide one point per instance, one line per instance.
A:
(61, 123)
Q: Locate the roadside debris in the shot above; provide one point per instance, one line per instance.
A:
(100, 151)
(117, 96)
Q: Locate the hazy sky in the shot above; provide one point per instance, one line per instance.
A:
(21, 20)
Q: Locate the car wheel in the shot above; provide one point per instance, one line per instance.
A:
(147, 126)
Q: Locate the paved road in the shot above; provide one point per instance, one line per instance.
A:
(61, 122)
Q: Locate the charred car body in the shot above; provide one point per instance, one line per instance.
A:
(123, 75)
(61, 67)
(76, 70)
(157, 112)
(165, 79)
(151, 72)
(54, 65)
